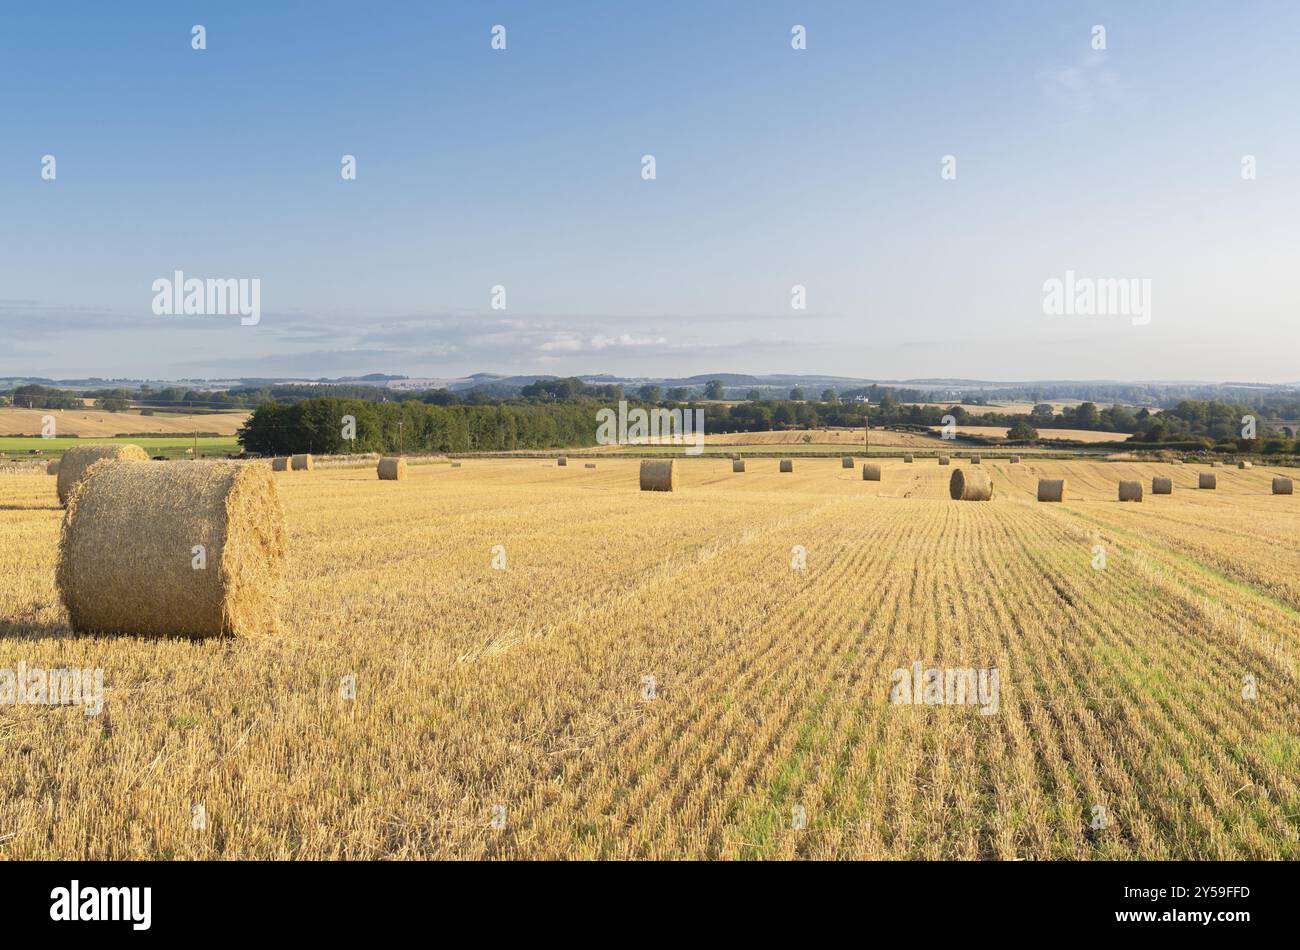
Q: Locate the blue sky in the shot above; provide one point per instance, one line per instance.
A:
(775, 167)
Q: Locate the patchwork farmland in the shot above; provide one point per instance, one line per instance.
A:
(516, 659)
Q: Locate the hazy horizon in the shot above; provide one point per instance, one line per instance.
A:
(521, 168)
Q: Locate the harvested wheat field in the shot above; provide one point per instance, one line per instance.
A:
(519, 660)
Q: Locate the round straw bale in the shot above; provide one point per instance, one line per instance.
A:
(870, 472)
(1161, 485)
(846, 462)
(1282, 486)
(1208, 480)
(77, 459)
(391, 469)
(280, 464)
(1215, 464)
(787, 465)
(52, 467)
(966, 485)
(1245, 464)
(561, 461)
(974, 459)
(658, 475)
(737, 465)
(302, 463)
(1051, 489)
(1015, 460)
(943, 460)
(130, 559)
(1130, 490)
(907, 458)
(588, 464)
(455, 465)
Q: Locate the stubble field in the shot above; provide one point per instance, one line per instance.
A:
(649, 677)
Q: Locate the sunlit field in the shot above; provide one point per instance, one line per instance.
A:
(549, 663)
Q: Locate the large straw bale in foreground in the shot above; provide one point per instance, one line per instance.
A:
(1208, 480)
(1162, 485)
(1282, 486)
(658, 475)
(128, 561)
(303, 463)
(391, 469)
(968, 485)
(1130, 490)
(1051, 489)
(870, 472)
(80, 457)
(787, 465)
(280, 464)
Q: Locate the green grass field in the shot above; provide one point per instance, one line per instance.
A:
(21, 446)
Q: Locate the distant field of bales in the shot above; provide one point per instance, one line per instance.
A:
(98, 423)
(1078, 435)
(520, 660)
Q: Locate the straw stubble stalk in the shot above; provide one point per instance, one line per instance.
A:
(78, 459)
(1130, 490)
(391, 469)
(194, 549)
(969, 485)
(1051, 489)
(658, 475)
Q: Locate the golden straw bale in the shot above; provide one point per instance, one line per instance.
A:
(561, 461)
(1051, 489)
(907, 458)
(184, 549)
(967, 485)
(1282, 486)
(1208, 480)
(737, 465)
(79, 458)
(787, 465)
(391, 469)
(870, 472)
(846, 462)
(1244, 464)
(303, 463)
(658, 475)
(280, 464)
(943, 460)
(1161, 485)
(1130, 490)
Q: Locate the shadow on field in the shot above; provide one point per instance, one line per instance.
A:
(31, 629)
(31, 507)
